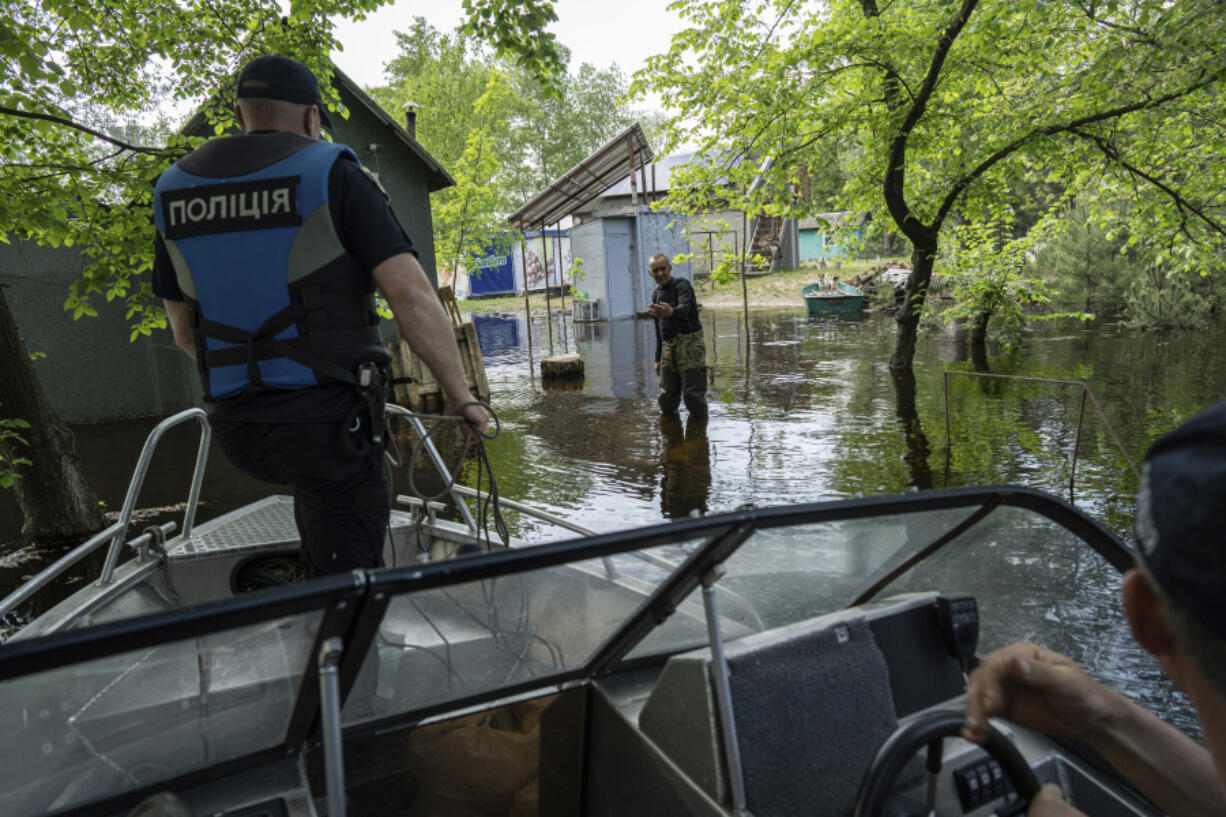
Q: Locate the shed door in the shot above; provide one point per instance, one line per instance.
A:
(619, 266)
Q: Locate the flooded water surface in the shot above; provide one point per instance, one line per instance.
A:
(801, 410)
(804, 410)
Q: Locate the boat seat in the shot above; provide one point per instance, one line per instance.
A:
(812, 704)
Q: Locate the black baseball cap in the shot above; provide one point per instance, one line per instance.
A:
(276, 77)
(1178, 525)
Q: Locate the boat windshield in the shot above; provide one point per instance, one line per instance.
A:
(442, 646)
(99, 727)
(1032, 577)
(93, 713)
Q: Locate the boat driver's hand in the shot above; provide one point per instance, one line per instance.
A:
(1050, 802)
(1037, 689)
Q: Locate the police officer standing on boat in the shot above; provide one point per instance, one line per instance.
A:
(269, 247)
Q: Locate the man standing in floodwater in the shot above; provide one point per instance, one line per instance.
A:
(269, 247)
(681, 354)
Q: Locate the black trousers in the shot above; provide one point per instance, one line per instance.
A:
(341, 502)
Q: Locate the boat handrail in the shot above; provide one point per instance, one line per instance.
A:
(138, 481)
(544, 516)
(115, 532)
(47, 574)
(437, 459)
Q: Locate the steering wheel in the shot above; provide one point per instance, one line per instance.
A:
(924, 730)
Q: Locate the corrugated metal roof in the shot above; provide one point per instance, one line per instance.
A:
(586, 180)
(663, 169)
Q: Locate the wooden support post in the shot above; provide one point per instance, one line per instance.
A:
(557, 263)
(548, 301)
(562, 367)
(523, 265)
(634, 195)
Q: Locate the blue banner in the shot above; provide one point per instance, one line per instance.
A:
(495, 274)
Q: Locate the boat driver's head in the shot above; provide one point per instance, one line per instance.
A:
(1176, 599)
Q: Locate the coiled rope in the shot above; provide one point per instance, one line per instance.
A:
(488, 508)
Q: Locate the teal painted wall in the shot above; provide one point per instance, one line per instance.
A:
(814, 247)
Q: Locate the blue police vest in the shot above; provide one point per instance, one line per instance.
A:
(276, 300)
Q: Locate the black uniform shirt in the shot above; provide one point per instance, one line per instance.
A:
(369, 231)
(679, 294)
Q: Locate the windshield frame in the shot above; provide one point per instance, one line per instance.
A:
(353, 605)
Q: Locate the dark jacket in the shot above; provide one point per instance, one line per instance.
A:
(679, 294)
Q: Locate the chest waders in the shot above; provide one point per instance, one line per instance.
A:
(276, 301)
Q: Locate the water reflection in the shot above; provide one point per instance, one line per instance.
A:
(686, 483)
(498, 336)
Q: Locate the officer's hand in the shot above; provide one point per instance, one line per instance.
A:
(657, 367)
(1038, 689)
(476, 418)
(1049, 802)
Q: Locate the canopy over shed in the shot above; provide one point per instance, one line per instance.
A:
(624, 153)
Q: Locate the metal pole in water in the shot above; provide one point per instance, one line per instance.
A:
(1081, 413)
(545, 269)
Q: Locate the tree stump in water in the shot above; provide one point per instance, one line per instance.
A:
(562, 367)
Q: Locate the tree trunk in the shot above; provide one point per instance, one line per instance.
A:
(979, 358)
(912, 431)
(979, 329)
(55, 501)
(916, 291)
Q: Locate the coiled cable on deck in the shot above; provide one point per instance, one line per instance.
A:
(474, 441)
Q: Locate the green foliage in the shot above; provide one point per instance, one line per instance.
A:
(467, 219)
(516, 28)
(577, 274)
(444, 75)
(994, 280)
(939, 113)
(1162, 298)
(1082, 260)
(501, 132)
(10, 435)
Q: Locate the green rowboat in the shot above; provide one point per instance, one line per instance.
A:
(845, 298)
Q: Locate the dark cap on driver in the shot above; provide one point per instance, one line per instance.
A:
(276, 77)
(1179, 523)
